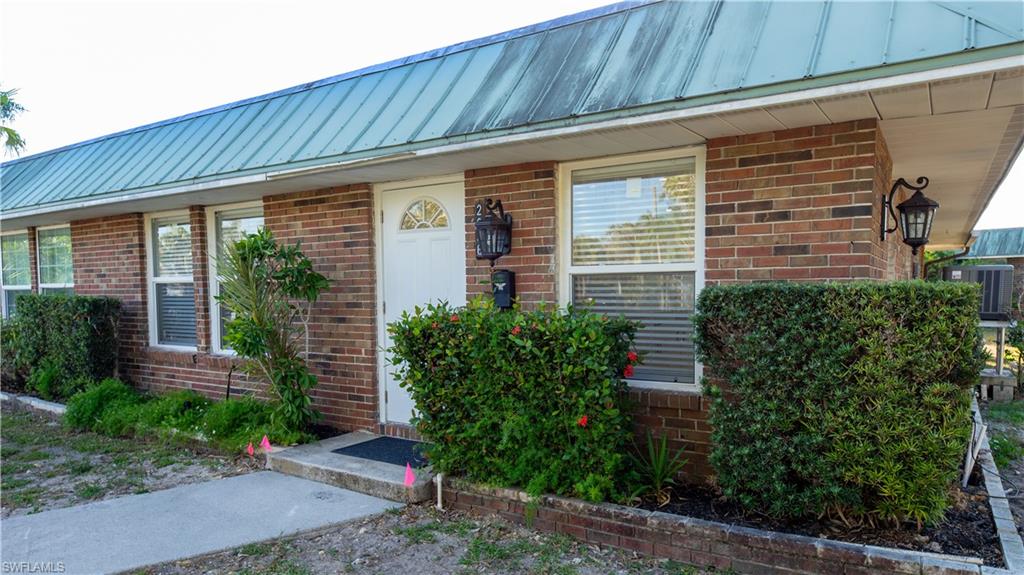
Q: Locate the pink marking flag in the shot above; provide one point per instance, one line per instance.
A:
(410, 477)
(265, 444)
(249, 450)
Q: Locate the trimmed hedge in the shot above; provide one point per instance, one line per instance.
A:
(75, 335)
(851, 399)
(514, 398)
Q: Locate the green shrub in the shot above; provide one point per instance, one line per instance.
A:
(13, 368)
(115, 409)
(847, 398)
(528, 399)
(78, 334)
(45, 379)
(179, 411)
(86, 409)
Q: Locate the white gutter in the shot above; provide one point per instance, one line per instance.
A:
(988, 66)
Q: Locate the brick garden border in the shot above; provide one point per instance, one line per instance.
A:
(705, 543)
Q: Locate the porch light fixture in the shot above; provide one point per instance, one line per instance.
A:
(493, 230)
(916, 214)
(493, 240)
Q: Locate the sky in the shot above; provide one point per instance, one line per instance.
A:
(85, 69)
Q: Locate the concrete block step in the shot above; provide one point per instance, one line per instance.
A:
(318, 462)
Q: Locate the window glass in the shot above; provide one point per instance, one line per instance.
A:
(15, 277)
(644, 216)
(172, 240)
(176, 314)
(14, 253)
(173, 292)
(663, 303)
(424, 214)
(230, 227)
(636, 214)
(55, 257)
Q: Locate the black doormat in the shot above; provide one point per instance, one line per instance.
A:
(388, 450)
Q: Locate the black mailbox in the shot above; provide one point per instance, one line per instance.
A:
(503, 286)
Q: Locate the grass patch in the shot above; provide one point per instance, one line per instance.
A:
(35, 455)
(1006, 448)
(23, 497)
(256, 549)
(14, 482)
(88, 490)
(1009, 412)
(79, 467)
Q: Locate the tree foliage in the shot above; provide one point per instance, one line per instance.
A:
(13, 143)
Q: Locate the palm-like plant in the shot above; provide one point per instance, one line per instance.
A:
(657, 469)
(9, 109)
(270, 291)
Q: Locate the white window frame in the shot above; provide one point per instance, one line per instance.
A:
(16, 287)
(45, 286)
(567, 269)
(211, 261)
(152, 280)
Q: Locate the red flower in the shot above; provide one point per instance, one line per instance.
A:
(516, 330)
(631, 356)
(455, 318)
(582, 422)
(434, 325)
(628, 372)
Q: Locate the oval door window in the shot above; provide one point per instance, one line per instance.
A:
(424, 214)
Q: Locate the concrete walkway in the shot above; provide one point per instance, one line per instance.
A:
(140, 530)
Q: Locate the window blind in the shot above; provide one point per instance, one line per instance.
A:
(172, 242)
(663, 303)
(635, 214)
(176, 314)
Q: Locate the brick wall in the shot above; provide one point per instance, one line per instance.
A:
(109, 259)
(798, 204)
(527, 191)
(335, 227)
(697, 542)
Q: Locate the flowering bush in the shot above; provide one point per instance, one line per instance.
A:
(515, 398)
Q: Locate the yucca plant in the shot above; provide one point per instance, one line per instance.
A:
(656, 470)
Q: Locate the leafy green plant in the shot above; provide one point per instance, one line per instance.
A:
(270, 291)
(533, 399)
(656, 469)
(1015, 350)
(86, 409)
(1006, 449)
(13, 368)
(45, 379)
(851, 399)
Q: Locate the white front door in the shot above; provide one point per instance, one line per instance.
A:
(423, 260)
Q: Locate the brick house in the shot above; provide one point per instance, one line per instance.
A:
(644, 149)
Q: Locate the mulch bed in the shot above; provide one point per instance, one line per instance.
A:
(967, 530)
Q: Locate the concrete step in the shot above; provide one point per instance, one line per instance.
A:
(318, 462)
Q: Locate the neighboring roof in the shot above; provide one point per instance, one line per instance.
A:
(621, 60)
(1004, 243)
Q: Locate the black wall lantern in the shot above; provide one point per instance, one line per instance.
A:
(916, 215)
(493, 240)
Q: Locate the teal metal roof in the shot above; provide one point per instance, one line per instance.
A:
(1004, 243)
(625, 59)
